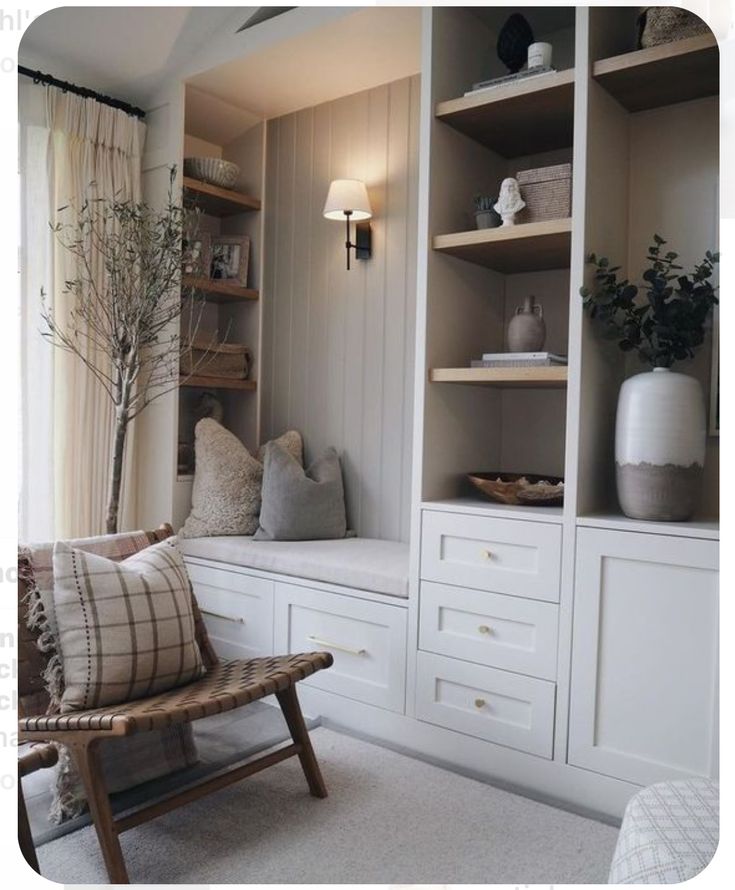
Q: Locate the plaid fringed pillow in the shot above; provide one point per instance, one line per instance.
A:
(125, 629)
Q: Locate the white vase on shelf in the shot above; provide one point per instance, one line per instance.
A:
(660, 440)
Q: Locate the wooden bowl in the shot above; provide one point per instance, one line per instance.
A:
(510, 488)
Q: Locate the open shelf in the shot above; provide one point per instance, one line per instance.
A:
(708, 529)
(217, 201)
(219, 383)
(219, 291)
(480, 507)
(545, 377)
(662, 75)
(529, 247)
(522, 118)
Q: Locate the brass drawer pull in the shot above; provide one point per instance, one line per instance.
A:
(485, 629)
(480, 703)
(335, 646)
(486, 554)
(223, 617)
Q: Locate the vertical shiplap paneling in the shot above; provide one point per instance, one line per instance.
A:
(338, 362)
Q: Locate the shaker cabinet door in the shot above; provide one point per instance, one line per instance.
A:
(644, 659)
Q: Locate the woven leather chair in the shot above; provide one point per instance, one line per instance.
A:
(225, 686)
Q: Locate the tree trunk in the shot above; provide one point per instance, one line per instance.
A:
(113, 502)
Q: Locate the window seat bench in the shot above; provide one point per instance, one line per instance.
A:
(361, 563)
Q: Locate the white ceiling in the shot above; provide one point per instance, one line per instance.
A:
(360, 50)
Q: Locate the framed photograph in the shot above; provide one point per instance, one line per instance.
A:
(196, 255)
(230, 258)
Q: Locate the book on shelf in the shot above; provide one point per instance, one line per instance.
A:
(519, 360)
(508, 79)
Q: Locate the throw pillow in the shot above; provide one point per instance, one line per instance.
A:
(126, 629)
(298, 505)
(226, 496)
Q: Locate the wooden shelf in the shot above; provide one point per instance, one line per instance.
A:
(523, 248)
(219, 383)
(545, 377)
(519, 119)
(219, 291)
(662, 75)
(217, 201)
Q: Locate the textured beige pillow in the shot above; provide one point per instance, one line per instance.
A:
(125, 629)
(228, 481)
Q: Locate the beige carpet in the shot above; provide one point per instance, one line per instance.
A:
(388, 819)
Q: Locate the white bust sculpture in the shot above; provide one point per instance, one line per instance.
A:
(510, 201)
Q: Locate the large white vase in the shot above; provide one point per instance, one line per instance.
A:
(660, 440)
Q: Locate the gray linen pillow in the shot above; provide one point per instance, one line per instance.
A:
(225, 499)
(301, 505)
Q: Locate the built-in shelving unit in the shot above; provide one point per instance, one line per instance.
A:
(528, 116)
(200, 380)
(527, 247)
(217, 291)
(554, 377)
(216, 201)
(662, 75)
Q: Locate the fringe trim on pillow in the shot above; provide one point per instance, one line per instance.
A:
(69, 800)
(37, 621)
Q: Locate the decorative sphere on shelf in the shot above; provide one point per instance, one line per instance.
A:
(513, 41)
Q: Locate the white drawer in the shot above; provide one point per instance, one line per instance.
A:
(500, 555)
(501, 631)
(505, 708)
(367, 640)
(237, 610)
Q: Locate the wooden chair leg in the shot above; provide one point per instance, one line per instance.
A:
(25, 838)
(289, 703)
(86, 758)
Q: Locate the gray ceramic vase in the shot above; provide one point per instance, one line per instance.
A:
(527, 328)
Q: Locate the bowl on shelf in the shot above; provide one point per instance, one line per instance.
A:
(212, 170)
(520, 489)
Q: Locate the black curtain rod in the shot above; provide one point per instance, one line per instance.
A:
(40, 77)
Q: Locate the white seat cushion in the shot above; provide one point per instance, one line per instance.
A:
(362, 563)
(669, 833)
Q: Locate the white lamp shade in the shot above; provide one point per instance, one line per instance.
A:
(347, 195)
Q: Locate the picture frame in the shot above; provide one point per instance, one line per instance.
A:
(196, 255)
(230, 258)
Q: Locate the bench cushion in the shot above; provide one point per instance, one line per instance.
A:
(362, 563)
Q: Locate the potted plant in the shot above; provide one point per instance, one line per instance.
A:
(660, 426)
(485, 215)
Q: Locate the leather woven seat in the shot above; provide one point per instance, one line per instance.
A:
(225, 686)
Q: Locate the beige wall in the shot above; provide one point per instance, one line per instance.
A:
(338, 346)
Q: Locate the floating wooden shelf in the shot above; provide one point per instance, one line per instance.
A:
(553, 377)
(662, 75)
(217, 201)
(219, 383)
(518, 119)
(219, 291)
(524, 248)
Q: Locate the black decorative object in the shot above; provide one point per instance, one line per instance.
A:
(513, 41)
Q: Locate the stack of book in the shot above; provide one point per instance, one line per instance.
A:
(518, 360)
(508, 78)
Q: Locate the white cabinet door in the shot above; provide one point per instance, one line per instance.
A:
(644, 659)
(237, 610)
(498, 555)
(367, 640)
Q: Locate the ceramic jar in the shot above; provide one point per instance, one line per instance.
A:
(527, 328)
(660, 440)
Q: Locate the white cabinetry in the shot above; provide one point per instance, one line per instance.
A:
(644, 659)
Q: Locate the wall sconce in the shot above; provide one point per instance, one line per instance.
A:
(348, 199)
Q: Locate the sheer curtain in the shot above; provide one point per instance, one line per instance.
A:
(71, 148)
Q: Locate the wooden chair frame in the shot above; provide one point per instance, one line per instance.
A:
(226, 686)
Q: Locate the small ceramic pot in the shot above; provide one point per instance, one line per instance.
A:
(486, 219)
(660, 440)
(527, 328)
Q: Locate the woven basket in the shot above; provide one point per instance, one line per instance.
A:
(547, 192)
(218, 360)
(667, 24)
